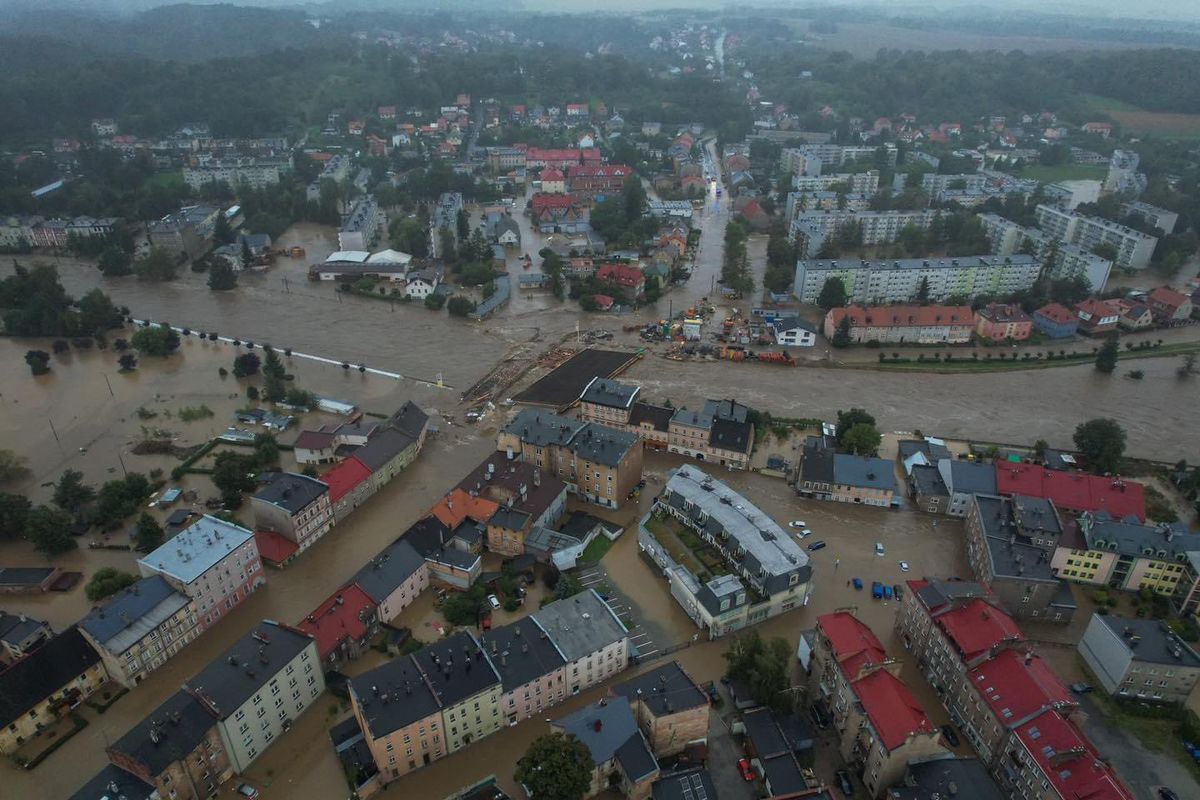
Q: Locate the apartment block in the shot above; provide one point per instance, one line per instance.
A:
(394, 578)
(1157, 217)
(1140, 658)
(1133, 247)
(592, 639)
(1062, 259)
(1124, 554)
(809, 228)
(671, 709)
(253, 172)
(878, 282)
(719, 432)
(900, 324)
(532, 668)
(363, 225)
(295, 506)
(467, 687)
(851, 182)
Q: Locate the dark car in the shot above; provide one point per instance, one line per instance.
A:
(714, 696)
(899, 591)
(950, 735)
(877, 590)
(1081, 688)
(1166, 794)
(844, 783)
(816, 545)
(819, 717)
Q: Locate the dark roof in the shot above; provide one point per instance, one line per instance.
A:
(604, 728)
(664, 690)
(114, 783)
(818, 461)
(506, 480)
(16, 628)
(659, 417)
(597, 443)
(456, 668)
(614, 394)
(972, 477)
(692, 784)
(43, 672)
(935, 452)
(928, 480)
(313, 440)
(579, 524)
(933, 778)
(167, 734)
(290, 491)
(601, 444)
(1016, 558)
(1156, 644)
(383, 447)
(521, 652)
(24, 576)
(783, 773)
(636, 759)
(763, 734)
(510, 519)
(410, 419)
(393, 696)
(731, 435)
(939, 593)
(863, 471)
(134, 613)
(243, 669)
(384, 573)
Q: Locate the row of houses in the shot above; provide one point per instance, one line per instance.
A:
(24, 232)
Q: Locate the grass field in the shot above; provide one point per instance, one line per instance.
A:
(1146, 123)
(1064, 172)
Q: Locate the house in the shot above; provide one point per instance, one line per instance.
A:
(621, 758)
(349, 487)
(14, 580)
(293, 505)
(946, 776)
(631, 280)
(400, 718)
(393, 579)
(592, 639)
(510, 498)
(532, 669)
(921, 452)
(1169, 306)
(467, 687)
(1133, 657)
(452, 557)
(176, 748)
(845, 478)
(963, 480)
(775, 745)
(45, 685)
(608, 402)
(213, 562)
(507, 232)
(1000, 322)
(342, 625)
(558, 212)
(671, 709)
(719, 432)
(140, 628)
(1103, 129)
(386, 113)
(1133, 316)
(1056, 321)
(553, 180)
(275, 667)
(928, 489)
(1096, 317)
(20, 634)
(794, 332)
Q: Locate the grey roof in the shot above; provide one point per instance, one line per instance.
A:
(393, 696)
(606, 392)
(410, 419)
(1016, 558)
(521, 652)
(763, 734)
(939, 593)
(197, 548)
(729, 434)
(114, 783)
(609, 731)
(383, 447)
(580, 523)
(580, 625)
(168, 733)
(1157, 643)
(691, 784)
(46, 670)
(783, 774)
(134, 613)
(385, 573)
(635, 758)
(928, 481)
(16, 628)
(863, 471)
(818, 461)
(24, 576)
(456, 668)
(596, 443)
(727, 410)
(944, 776)
(1134, 539)
(541, 428)
(601, 444)
(934, 451)
(692, 419)
(231, 680)
(972, 477)
(790, 323)
(510, 518)
(290, 491)
(658, 416)
(664, 690)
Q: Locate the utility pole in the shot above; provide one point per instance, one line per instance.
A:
(110, 391)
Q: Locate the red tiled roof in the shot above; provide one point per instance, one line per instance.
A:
(343, 477)
(274, 548)
(890, 705)
(313, 440)
(622, 275)
(1056, 312)
(1097, 308)
(1048, 737)
(603, 301)
(590, 154)
(552, 174)
(457, 506)
(541, 202)
(339, 618)
(599, 170)
(1015, 689)
(977, 626)
(854, 644)
(903, 316)
(1167, 298)
(562, 154)
(1073, 491)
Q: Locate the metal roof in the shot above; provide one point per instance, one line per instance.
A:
(196, 549)
(134, 613)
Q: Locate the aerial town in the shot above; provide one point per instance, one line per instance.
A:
(673, 406)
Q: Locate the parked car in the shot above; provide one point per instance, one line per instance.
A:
(493, 601)
(1166, 794)
(844, 783)
(904, 566)
(797, 523)
(950, 735)
(1081, 688)
(246, 790)
(858, 584)
(879, 548)
(899, 591)
(804, 534)
(714, 695)
(887, 592)
(877, 590)
(744, 768)
(819, 717)
(817, 545)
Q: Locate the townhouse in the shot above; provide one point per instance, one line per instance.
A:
(670, 708)
(719, 432)
(874, 282)
(467, 687)
(532, 669)
(621, 758)
(140, 628)
(295, 506)
(1097, 317)
(902, 324)
(20, 635)
(451, 556)
(598, 463)
(825, 474)
(597, 180)
(1169, 306)
(508, 498)
(1056, 321)
(1140, 658)
(1102, 550)
(258, 687)
(1003, 322)
(393, 578)
(963, 480)
(608, 402)
(213, 562)
(400, 718)
(342, 625)
(591, 638)
(1133, 248)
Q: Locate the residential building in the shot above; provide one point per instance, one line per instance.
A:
(1103, 550)
(719, 432)
(903, 324)
(1133, 657)
(452, 557)
(185, 233)
(963, 480)
(1097, 317)
(559, 212)
(393, 579)
(670, 708)
(794, 332)
(177, 749)
(467, 688)
(1122, 173)
(621, 759)
(777, 744)
(1154, 216)
(362, 226)
(688, 784)
(1056, 321)
(591, 638)
(213, 562)
(20, 635)
(631, 280)
(1074, 492)
(253, 172)
(140, 628)
(1010, 544)
(768, 572)
(1169, 306)
(850, 182)
(112, 781)
(946, 776)
(825, 474)
(876, 282)
(258, 687)
(1049, 756)
(928, 490)
(400, 717)
(14, 580)
(921, 452)
(1003, 322)
(598, 463)
(598, 180)
(45, 685)
(564, 547)
(531, 667)
(293, 505)
(1133, 316)
(652, 424)
(342, 625)
(1060, 259)
(507, 498)
(1133, 248)
(608, 402)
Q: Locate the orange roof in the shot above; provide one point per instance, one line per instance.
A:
(453, 509)
(274, 548)
(902, 316)
(1056, 312)
(1170, 298)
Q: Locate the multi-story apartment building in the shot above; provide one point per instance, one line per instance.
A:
(394, 578)
(946, 776)
(601, 464)
(1154, 216)
(532, 669)
(214, 562)
(810, 228)
(140, 628)
(1049, 758)
(769, 571)
(177, 749)
(1122, 173)
(361, 227)
(508, 498)
(608, 402)
(1010, 543)
(258, 687)
(670, 708)
(719, 433)
(187, 232)
(295, 506)
(253, 172)
(1003, 322)
(467, 687)
(1104, 551)
(825, 474)
(1142, 658)
(590, 180)
(400, 718)
(875, 282)
(336, 169)
(850, 182)
(1133, 248)
(934, 184)
(903, 324)
(1061, 259)
(591, 637)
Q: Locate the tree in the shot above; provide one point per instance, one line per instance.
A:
(247, 255)
(410, 236)
(922, 297)
(462, 222)
(127, 362)
(634, 196)
(12, 467)
(848, 419)
(48, 530)
(764, 665)
(221, 277)
(38, 361)
(223, 232)
(149, 534)
(155, 340)
(300, 398)
(106, 582)
(14, 511)
(274, 376)
(1039, 449)
(234, 473)
(833, 294)
(1102, 443)
(446, 246)
(435, 301)
(117, 500)
(841, 336)
(555, 767)
(1106, 359)
(246, 364)
(266, 451)
(157, 265)
(460, 305)
(115, 262)
(70, 493)
(861, 439)
(98, 313)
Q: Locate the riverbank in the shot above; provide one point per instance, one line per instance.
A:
(1015, 365)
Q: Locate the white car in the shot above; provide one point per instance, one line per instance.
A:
(493, 601)
(804, 534)
(879, 548)
(247, 791)
(797, 523)
(904, 566)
